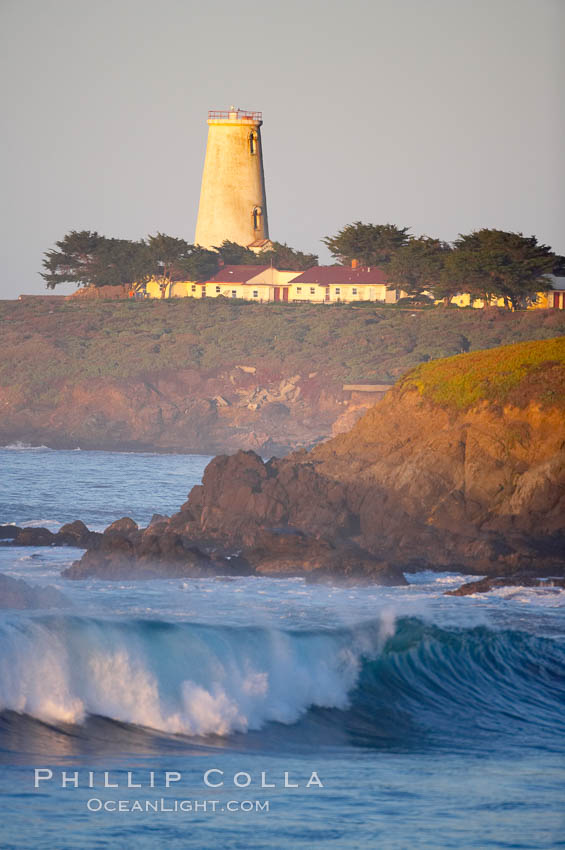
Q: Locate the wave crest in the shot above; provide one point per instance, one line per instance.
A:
(179, 678)
(384, 680)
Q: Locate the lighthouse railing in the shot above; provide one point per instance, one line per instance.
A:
(234, 115)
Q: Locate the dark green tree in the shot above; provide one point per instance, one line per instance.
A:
(233, 254)
(491, 263)
(71, 260)
(88, 259)
(370, 244)
(418, 265)
(198, 264)
(448, 285)
(167, 252)
(283, 256)
(121, 261)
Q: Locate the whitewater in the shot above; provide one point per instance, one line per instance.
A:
(433, 721)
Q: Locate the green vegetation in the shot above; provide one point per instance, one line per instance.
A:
(496, 264)
(89, 259)
(513, 374)
(419, 265)
(486, 263)
(369, 244)
(280, 255)
(51, 341)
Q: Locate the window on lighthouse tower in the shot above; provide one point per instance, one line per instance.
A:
(253, 142)
(257, 218)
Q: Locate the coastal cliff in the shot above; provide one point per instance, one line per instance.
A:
(463, 464)
(215, 376)
(460, 466)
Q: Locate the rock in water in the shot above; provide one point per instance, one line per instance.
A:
(72, 534)
(485, 585)
(453, 469)
(9, 532)
(16, 593)
(34, 537)
(125, 525)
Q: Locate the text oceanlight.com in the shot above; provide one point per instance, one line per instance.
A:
(213, 778)
(95, 804)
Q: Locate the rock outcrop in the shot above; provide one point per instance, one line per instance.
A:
(210, 376)
(177, 411)
(178, 549)
(485, 585)
(417, 483)
(72, 534)
(481, 490)
(16, 593)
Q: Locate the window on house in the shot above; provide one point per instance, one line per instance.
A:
(193, 287)
(337, 290)
(255, 293)
(234, 293)
(299, 289)
(218, 290)
(312, 290)
(354, 290)
(257, 218)
(253, 142)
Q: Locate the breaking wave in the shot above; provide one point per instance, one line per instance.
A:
(19, 446)
(382, 681)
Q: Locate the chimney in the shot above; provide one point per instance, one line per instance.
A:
(354, 264)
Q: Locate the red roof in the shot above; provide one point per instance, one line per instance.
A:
(340, 275)
(237, 274)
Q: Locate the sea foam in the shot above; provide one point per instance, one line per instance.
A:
(179, 678)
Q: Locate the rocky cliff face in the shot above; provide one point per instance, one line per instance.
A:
(482, 489)
(180, 410)
(211, 376)
(414, 484)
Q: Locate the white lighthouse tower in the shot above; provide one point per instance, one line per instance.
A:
(233, 204)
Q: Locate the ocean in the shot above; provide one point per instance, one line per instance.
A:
(259, 712)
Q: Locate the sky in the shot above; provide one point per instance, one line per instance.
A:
(441, 115)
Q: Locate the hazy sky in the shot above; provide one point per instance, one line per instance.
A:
(443, 115)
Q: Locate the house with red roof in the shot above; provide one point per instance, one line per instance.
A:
(318, 285)
(554, 297)
(252, 283)
(330, 284)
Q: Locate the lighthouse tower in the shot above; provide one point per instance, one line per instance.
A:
(232, 197)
